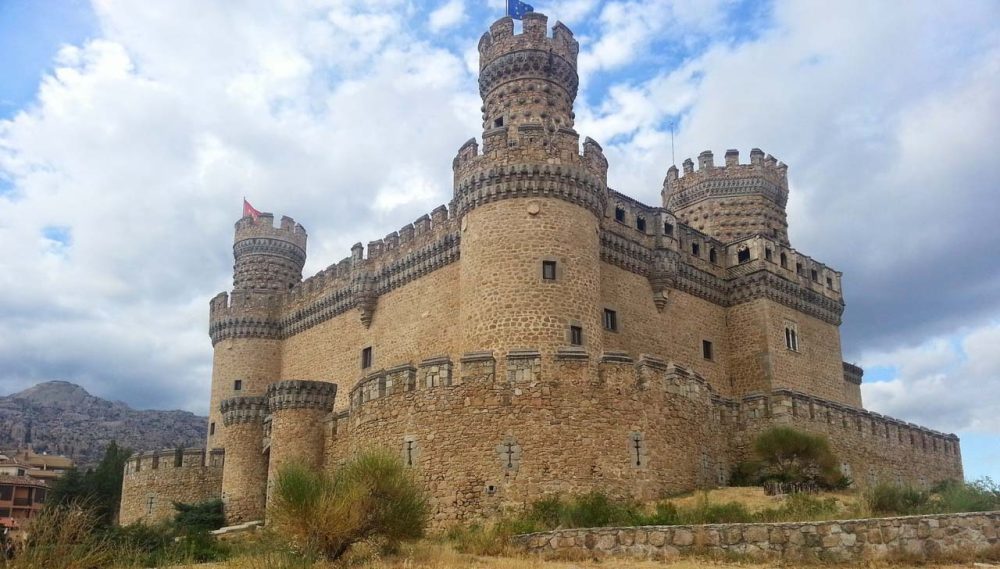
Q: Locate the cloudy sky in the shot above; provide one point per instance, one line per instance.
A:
(130, 130)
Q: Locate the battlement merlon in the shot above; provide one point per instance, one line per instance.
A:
(713, 181)
(174, 458)
(263, 226)
(501, 39)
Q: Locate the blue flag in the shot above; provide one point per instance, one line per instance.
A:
(517, 9)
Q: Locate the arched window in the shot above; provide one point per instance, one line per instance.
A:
(743, 255)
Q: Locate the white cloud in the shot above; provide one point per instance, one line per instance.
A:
(448, 15)
(946, 383)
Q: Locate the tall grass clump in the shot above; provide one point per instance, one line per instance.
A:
(63, 537)
(372, 497)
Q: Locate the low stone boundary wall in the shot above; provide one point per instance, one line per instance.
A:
(841, 540)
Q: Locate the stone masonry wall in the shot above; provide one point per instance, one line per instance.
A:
(873, 448)
(915, 537)
(631, 428)
(154, 481)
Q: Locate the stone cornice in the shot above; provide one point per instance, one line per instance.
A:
(572, 183)
(242, 410)
(713, 188)
(528, 64)
(301, 394)
(666, 269)
(270, 246)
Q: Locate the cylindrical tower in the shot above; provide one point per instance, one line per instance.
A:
(733, 201)
(244, 326)
(298, 409)
(244, 475)
(530, 204)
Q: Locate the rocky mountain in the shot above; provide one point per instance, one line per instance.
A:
(62, 418)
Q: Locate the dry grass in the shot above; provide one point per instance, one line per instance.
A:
(427, 555)
(753, 498)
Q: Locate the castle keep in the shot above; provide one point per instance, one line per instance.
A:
(541, 333)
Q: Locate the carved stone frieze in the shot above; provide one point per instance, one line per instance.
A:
(301, 394)
(243, 410)
(527, 64)
(572, 183)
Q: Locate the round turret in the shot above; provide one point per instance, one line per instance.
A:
(244, 475)
(731, 202)
(529, 78)
(530, 203)
(268, 258)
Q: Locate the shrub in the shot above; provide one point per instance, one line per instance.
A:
(371, 497)
(596, 509)
(199, 517)
(981, 495)
(790, 455)
(887, 499)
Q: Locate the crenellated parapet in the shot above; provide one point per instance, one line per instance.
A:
(268, 258)
(732, 201)
(168, 459)
(239, 410)
(301, 394)
(525, 367)
(853, 373)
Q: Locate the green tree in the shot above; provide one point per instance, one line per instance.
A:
(100, 488)
(371, 497)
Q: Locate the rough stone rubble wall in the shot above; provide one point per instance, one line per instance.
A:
(916, 537)
(153, 482)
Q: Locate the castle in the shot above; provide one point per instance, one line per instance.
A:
(542, 333)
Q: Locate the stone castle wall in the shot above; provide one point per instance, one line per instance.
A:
(154, 481)
(912, 537)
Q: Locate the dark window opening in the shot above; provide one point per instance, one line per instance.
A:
(706, 349)
(767, 254)
(791, 339)
(668, 229)
(695, 249)
(743, 255)
(798, 268)
(620, 214)
(497, 123)
(784, 261)
(610, 320)
(366, 358)
(238, 385)
(178, 458)
(712, 255)
(549, 270)
(829, 282)
(211, 429)
(576, 335)
(640, 223)
(815, 276)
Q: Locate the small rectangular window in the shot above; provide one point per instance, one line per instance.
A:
(366, 358)
(829, 282)
(815, 276)
(620, 214)
(497, 123)
(668, 229)
(712, 255)
(640, 223)
(576, 335)
(695, 249)
(767, 254)
(706, 349)
(549, 270)
(610, 320)
(211, 429)
(798, 268)
(238, 385)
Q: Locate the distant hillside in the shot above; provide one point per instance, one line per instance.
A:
(61, 417)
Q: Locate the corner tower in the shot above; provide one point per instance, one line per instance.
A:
(734, 201)
(529, 203)
(244, 326)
